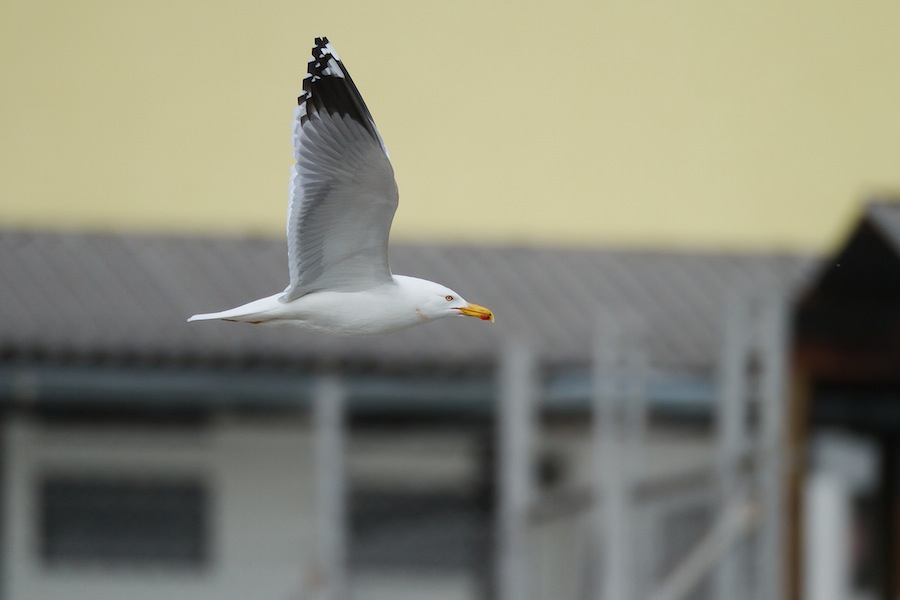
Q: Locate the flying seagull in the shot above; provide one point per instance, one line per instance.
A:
(342, 200)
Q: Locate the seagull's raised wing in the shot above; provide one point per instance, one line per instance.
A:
(342, 194)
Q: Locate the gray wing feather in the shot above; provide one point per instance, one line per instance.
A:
(342, 193)
(342, 200)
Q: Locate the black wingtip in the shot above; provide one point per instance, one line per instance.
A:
(328, 87)
(318, 51)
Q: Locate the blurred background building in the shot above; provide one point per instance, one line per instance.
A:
(688, 391)
(141, 449)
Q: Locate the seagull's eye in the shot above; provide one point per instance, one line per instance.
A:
(448, 298)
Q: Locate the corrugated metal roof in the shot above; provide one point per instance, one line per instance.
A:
(124, 298)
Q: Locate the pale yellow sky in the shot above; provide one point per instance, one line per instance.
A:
(701, 124)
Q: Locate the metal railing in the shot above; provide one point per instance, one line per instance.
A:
(607, 526)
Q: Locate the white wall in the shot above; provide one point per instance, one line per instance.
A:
(260, 475)
(260, 472)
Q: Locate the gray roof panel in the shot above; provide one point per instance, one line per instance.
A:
(117, 297)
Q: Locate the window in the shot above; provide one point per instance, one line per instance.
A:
(417, 529)
(128, 523)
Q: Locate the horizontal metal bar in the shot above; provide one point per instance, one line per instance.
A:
(189, 388)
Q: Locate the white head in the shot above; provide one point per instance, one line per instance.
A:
(434, 301)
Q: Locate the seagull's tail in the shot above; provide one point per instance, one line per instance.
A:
(225, 314)
(258, 311)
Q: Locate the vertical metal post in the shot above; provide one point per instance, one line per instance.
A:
(515, 423)
(635, 407)
(730, 421)
(610, 478)
(331, 491)
(771, 467)
(636, 416)
(827, 521)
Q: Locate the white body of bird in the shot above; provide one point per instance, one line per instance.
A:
(406, 302)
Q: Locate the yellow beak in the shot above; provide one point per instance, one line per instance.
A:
(473, 310)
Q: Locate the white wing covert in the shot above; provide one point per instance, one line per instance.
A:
(342, 193)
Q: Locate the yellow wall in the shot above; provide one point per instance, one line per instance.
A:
(720, 124)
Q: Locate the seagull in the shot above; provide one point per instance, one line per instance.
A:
(342, 199)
